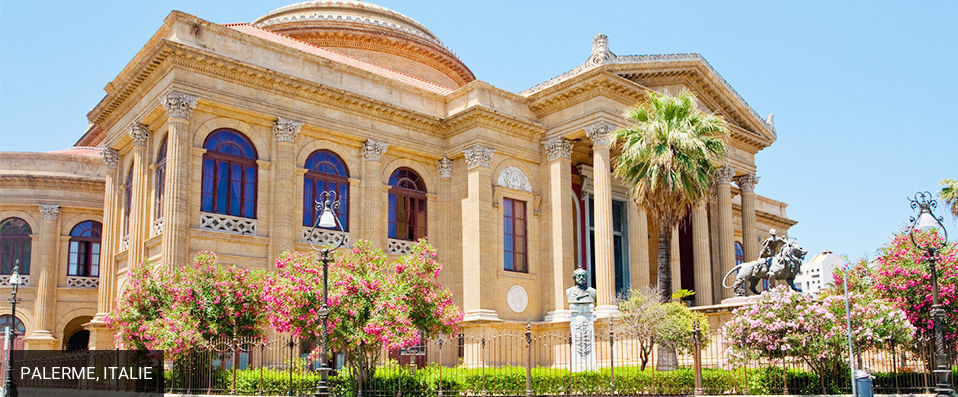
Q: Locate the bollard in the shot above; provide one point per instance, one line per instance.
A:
(528, 360)
(611, 357)
(440, 364)
(697, 335)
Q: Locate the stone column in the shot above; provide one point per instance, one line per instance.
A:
(726, 249)
(45, 304)
(601, 136)
(562, 236)
(746, 184)
(101, 338)
(675, 260)
(374, 224)
(445, 220)
(176, 223)
(283, 230)
(138, 205)
(478, 236)
(701, 255)
(638, 246)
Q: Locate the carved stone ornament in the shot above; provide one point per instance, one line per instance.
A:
(478, 156)
(600, 133)
(723, 175)
(286, 129)
(139, 133)
(50, 212)
(514, 178)
(747, 182)
(179, 105)
(558, 148)
(600, 51)
(445, 167)
(110, 158)
(374, 150)
(517, 298)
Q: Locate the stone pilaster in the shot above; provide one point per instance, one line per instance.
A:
(445, 225)
(478, 232)
(282, 220)
(562, 237)
(726, 248)
(675, 260)
(601, 136)
(101, 337)
(374, 225)
(702, 258)
(138, 205)
(176, 223)
(746, 184)
(638, 245)
(45, 304)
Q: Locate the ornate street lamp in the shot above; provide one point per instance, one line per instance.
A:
(926, 220)
(9, 388)
(328, 205)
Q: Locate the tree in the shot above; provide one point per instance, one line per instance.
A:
(670, 325)
(375, 303)
(949, 194)
(668, 158)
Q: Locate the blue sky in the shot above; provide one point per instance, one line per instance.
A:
(862, 92)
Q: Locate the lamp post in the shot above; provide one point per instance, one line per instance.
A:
(926, 220)
(9, 388)
(327, 206)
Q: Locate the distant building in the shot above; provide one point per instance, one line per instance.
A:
(816, 274)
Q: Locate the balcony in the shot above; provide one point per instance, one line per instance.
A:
(399, 247)
(325, 237)
(83, 282)
(228, 224)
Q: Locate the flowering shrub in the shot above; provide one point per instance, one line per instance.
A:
(904, 277)
(140, 308)
(374, 303)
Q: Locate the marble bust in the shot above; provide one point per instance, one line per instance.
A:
(581, 293)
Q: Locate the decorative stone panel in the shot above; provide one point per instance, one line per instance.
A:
(5, 280)
(227, 223)
(445, 168)
(478, 156)
(398, 247)
(157, 227)
(83, 282)
(514, 178)
(325, 237)
(125, 243)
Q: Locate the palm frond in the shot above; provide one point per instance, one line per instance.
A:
(949, 194)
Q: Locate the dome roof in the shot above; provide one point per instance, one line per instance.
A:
(372, 33)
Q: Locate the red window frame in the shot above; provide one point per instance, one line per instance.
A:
(15, 244)
(407, 206)
(160, 181)
(84, 253)
(515, 236)
(331, 181)
(241, 175)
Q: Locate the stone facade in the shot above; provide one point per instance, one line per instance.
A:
(473, 145)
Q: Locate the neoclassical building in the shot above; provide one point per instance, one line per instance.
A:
(219, 137)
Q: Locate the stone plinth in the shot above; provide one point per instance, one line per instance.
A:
(582, 326)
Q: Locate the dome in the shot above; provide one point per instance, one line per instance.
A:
(372, 33)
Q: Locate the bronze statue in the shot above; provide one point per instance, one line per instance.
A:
(783, 264)
(581, 293)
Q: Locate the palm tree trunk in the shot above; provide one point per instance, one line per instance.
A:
(665, 262)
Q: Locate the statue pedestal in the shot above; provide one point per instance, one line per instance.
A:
(582, 325)
(740, 300)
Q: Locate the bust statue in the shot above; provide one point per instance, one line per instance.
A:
(581, 293)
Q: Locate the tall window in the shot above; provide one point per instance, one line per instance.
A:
(84, 258)
(407, 205)
(325, 171)
(229, 174)
(127, 200)
(739, 253)
(514, 242)
(14, 245)
(160, 181)
(620, 246)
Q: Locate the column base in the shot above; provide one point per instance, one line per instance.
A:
(40, 340)
(481, 315)
(101, 336)
(606, 311)
(558, 316)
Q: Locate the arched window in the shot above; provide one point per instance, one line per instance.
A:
(127, 200)
(739, 253)
(160, 180)
(229, 174)
(14, 245)
(17, 324)
(84, 258)
(325, 171)
(407, 205)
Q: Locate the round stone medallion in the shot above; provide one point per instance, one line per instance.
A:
(517, 298)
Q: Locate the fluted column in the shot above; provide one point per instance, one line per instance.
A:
(374, 225)
(562, 236)
(638, 246)
(138, 213)
(746, 184)
(282, 225)
(726, 249)
(601, 136)
(176, 223)
(101, 338)
(675, 262)
(478, 236)
(45, 304)
(702, 261)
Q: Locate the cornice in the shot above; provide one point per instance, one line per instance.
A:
(54, 182)
(592, 84)
(768, 216)
(481, 116)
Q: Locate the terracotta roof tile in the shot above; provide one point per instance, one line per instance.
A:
(80, 151)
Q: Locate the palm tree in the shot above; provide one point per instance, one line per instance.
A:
(949, 194)
(669, 157)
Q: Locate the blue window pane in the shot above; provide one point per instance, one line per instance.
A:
(308, 202)
(207, 199)
(392, 216)
(222, 187)
(508, 261)
(249, 197)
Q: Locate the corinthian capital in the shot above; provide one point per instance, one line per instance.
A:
(374, 150)
(49, 212)
(286, 129)
(600, 133)
(558, 148)
(445, 167)
(478, 156)
(723, 175)
(179, 105)
(139, 133)
(110, 158)
(747, 182)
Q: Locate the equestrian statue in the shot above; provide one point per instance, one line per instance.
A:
(780, 259)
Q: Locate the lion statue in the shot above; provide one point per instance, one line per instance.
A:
(784, 265)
